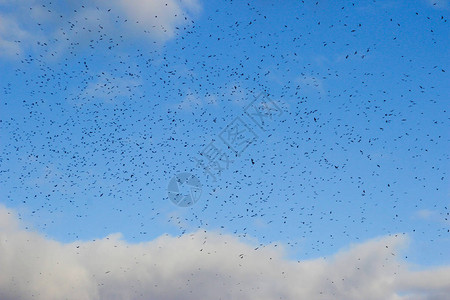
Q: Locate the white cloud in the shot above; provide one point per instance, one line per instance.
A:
(430, 216)
(160, 17)
(203, 265)
(10, 34)
(28, 22)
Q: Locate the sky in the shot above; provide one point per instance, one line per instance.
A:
(313, 136)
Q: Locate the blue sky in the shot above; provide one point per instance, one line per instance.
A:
(102, 104)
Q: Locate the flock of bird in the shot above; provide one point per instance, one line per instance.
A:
(95, 119)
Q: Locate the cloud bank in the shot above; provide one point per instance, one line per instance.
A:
(203, 265)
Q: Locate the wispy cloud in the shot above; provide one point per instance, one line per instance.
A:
(439, 4)
(10, 35)
(107, 88)
(203, 265)
(431, 216)
(311, 82)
